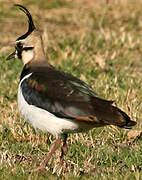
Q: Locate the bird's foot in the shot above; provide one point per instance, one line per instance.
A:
(42, 168)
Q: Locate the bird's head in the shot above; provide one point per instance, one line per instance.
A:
(29, 46)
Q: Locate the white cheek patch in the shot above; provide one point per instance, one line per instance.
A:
(16, 54)
(27, 56)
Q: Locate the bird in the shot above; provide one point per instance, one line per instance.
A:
(57, 102)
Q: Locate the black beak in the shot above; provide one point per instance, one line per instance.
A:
(11, 56)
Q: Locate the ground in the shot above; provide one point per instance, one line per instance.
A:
(101, 43)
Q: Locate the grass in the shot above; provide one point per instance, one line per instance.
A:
(98, 42)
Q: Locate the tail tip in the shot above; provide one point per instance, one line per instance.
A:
(129, 125)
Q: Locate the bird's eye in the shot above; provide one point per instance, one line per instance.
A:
(19, 45)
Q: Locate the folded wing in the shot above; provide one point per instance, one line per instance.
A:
(68, 97)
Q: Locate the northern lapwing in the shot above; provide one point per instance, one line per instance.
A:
(57, 102)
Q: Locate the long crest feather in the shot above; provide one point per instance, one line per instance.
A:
(31, 27)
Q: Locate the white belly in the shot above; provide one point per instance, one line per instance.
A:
(44, 120)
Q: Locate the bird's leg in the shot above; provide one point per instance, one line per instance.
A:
(44, 163)
(64, 149)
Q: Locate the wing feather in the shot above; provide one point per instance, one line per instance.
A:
(68, 97)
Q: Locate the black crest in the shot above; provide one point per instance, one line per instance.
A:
(30, 21)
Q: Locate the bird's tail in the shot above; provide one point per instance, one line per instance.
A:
(128, 123)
